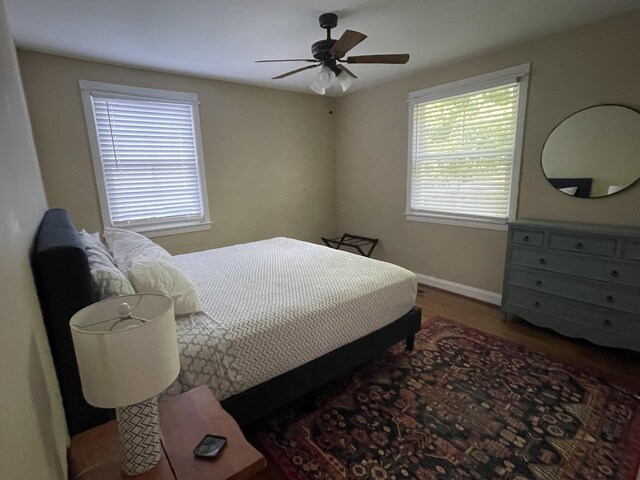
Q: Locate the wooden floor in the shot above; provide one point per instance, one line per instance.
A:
(617, 366)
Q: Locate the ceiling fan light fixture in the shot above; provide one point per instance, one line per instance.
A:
(317, 88)
(345, 80)
(328, 52)
(325, 77)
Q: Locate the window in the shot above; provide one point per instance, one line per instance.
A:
(147, 158)
(465, 142)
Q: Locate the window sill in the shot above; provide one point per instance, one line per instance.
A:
(458, 221)
(171, 229)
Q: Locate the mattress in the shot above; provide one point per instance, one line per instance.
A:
(273, 305)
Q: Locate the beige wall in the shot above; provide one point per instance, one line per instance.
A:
(32, 427)
(599, 63)
(269, 154)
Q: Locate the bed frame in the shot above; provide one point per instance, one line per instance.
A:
(63, 281)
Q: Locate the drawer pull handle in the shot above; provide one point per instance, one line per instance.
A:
(579, 246)
(615, 274)
(537, 304)
(526, 238)
(610, 298)
(539, 283)
(543, 261)
(607, 323)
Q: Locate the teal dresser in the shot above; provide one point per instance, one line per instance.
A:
(580, 280)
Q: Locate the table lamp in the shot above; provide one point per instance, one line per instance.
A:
(127, 353)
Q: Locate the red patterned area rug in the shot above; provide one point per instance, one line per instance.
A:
(463, 405)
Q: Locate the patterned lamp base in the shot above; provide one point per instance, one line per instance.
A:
(139, 430)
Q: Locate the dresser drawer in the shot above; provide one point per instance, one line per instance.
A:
(581, 280)
(575, 312)
(579, 265)
(631, 250)
(602, 246)
(577, 289)
(528, 237)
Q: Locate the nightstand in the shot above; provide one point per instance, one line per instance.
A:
(184, 419)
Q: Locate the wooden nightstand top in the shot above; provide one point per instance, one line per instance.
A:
(184, 420)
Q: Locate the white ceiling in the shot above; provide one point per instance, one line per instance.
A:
(221, 38)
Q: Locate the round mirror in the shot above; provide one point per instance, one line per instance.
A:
(594, 152)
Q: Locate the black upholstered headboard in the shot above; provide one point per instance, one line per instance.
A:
(64, 285)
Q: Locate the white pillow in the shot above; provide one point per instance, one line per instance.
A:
(111, 282)
(107, 279)
(126, 246)
(97, 252)
(569, 190)
(151, 268)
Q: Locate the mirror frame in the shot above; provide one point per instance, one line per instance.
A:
(557, 189)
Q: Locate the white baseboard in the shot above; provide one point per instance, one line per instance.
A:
(467, 291)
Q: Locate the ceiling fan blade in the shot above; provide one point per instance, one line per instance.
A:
(289, 60)
(389, 58)
(346, 42)
(295, 71)
(346, 70)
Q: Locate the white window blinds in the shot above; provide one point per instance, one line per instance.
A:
(149, 160)
(462, 153)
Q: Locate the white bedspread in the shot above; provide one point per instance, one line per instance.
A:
(273, 305)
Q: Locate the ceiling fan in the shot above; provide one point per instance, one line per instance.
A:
(329, 55)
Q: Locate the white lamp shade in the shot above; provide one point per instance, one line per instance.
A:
(325, 77)
(345, 81)
(124, 362)
(317, 88)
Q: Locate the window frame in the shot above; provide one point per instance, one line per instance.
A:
(519, 74)
(150, 229)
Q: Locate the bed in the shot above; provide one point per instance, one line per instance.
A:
(255, 346)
